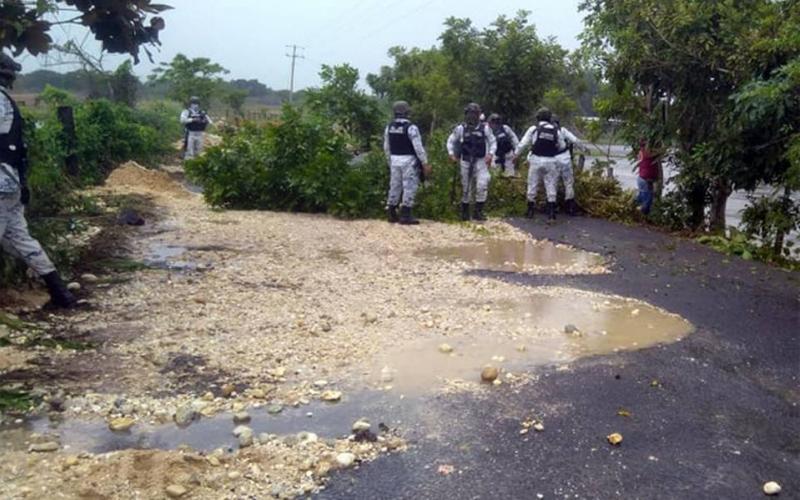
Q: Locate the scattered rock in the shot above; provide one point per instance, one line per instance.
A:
(772, 488)
(244, 435)
(176, 491)
(240, 429)
(130, 217)
(45, 447)
(635, 312)
(307, 437)
(345, 460)
(538, 427)
(394, 443)
(371, 318)
(615, 439)
(241, 417)
(228, 390)
(446, 349)
(490, 374)
(571, 329)
(234, 475)
(121, 424)
(71, 461)
(319, 384)
(386, 375)
(74, 286)
(213, 461)
(89, 278)
(361, 424)
(274, 409)
(208, 396)
(57, 404)
(185, 415)
(331, 396)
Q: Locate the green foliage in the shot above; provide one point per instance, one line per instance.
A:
(119, 26)
(235, 100)
(339, 101)
(736, 244)
(190, 77)
(124, 85)
(603, 197)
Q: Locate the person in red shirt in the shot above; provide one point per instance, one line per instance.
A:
(647, 163)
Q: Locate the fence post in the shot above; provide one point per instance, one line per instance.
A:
(70, 140)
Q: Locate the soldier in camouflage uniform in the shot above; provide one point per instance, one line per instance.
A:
(14, 192)
(408, 162)
(545, 141)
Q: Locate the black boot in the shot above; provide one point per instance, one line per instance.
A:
(551, 211)
(392, 214)
(479, 211)
(531, 210)
(572, 208)
(405, 217)
(59, 295)
(465, 211)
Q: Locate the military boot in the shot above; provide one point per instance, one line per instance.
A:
(59, 295)
(572, 208)
(531, 210)
(392, 214)
(551, 211)
(405, 217)
(465, 211)
(479, 212)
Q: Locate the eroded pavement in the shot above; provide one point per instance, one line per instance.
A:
(310, 324)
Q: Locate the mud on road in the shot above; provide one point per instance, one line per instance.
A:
(309, 323)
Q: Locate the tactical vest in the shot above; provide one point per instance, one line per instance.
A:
(12, 144)
(473, 141)
(546, 141)
(197, 126)
(504, 144)
(399, 142)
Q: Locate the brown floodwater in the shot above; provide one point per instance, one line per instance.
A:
(534, 333)
(516, 256)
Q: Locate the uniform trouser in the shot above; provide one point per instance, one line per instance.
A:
(480, 176)
(194, 144)
(542, 168)
(564, 161)
(506, 165)
(403, 181)
(16, 240)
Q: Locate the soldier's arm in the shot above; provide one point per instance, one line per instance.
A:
(387, 150)
(491, 141)
(416, 140)
(525, 142)
(455, 136)
(513, 136)
(6, 115)
(185, 117)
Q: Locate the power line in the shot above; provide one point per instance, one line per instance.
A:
(294, 58)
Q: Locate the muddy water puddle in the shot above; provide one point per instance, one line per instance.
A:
(326, 420)
(538, 330)
(517, 256)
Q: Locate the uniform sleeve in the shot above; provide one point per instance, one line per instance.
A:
(208, 120)
(454, 138)
(6, 114)
(387, 150)
(491, 140)
(185, 117)
(569, 136)
(526, 141)
(416, 140)
(513, 136)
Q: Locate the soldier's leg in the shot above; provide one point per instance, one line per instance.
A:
(565, 167)
(551, 181)
(466, 182)
(410, 183)
(18, 240)
(482, 179)
(510, 169)
(395, 184)
(534, 175)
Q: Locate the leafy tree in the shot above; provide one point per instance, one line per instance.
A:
(235, 99)
(341, 102)
(190, 77)
(675, 68)
(124, 85)
(122, 26)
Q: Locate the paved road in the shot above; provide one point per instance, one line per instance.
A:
(723, 419)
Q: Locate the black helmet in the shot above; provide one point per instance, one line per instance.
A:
(194, 100)
(495, 118)
(401, 109)
(554, 119)
(8, 69)
(544, 115)
(472, 113)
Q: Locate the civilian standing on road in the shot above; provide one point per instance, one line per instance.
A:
(647, 164)
(195, 122)
(15, 194)
(473, 145)
(408, 164)
(545, 140)
(507, 142)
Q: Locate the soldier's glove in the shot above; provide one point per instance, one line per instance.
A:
(25, 195)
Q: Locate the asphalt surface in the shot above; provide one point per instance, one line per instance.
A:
(713, 416)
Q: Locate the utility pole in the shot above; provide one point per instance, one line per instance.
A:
(294, 58)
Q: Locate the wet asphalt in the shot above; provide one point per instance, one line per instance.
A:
(713, 416)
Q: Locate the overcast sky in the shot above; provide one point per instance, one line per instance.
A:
(249, 37)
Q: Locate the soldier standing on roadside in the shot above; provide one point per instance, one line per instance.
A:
(408, 163)
(15, 194)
